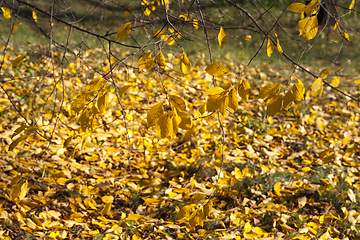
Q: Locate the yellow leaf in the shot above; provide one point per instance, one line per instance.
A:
(308, 27)
(202, 108)
(221, 37)
(351, 195)
(214, 102)
(195, 23)
(214, 91)
(177, 102)
(34, 16)
(18, 61)
(317, 85)
(30, 130)
(18, 130)
(95, 84)
(6, 12)
(124, 89)
(67, 141)
(186, 211)
(106, 209)
(270, 47)
(335, 81)
(184, 16)
(84, 119)
(297, 7)
(80, 101)
(224, 102)
(357, 81)
(311, 7)
(123, 31)
(351, 5)
(346, 36)
(274, 105)
(288, 99)
(134, 217)
(207, 207)
(17, 141)
(186, 122)
(217, 70)
(146, 62)
(302, 202)
(233, 100)
(15, 27)
(164, 126)
(15, 192)
(269, 90)
(336, 24)
(248, 37)
(103, 101)
(197, 197)
(197, 218)
(160, 59)
(325, 73)
(185, 64)
(244, 89)
(298, 91)
(247, 227)
(155, 112)
(158, 33)
(278, 45)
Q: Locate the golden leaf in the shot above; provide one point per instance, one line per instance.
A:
(123, 31)
(335, 81)
(269, 48)
(16, 142)
(6, 12)
(207, 207)
(95, 84)
(233, 100)
(278, 45)
(155, 112)
(248, 37)
(34, 16)
(124, 89)
(269, 90)
(146, 62)
(288, 99)
(298, 91)
(103, 101)
(214, 91)
(221, 37)
(18, 61)
(15, 27)
(308, 27)
(317, 85)
(244, 89)
(274, 105)
(160, 59)
(185, 64)
(297, 7)
(177, 102)
(106, 209)
(217, 70)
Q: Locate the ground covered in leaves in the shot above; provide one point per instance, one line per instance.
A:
(295, 175)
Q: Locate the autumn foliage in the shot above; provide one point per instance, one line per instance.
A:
(141, 138)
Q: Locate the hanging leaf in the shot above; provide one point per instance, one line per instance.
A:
(335, 81)
(95, 85)
(278, 45)
(80, 101)
(164, 126)
(18, 61)
(297, 7)
(177, 102)
(317, 85)
(221, 37)
(146, 62)
(269, 48)
(154, 113)
(269, 90)
(233, 100)
(308, 27)
(298, 91)
(17, 141)
(123, 31)
(244, 89)
(217, 70)
(288, 99)
(34, 16)
(103, 101)
(248, 37)
(325, 72)
(195, 23)
(160, 59)
(274, 105)
(6, 12)
(18, 130)
(15, 27)
(351, 5)
(185, 64)
(214, 91)
(124, 89)
(311, 7)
